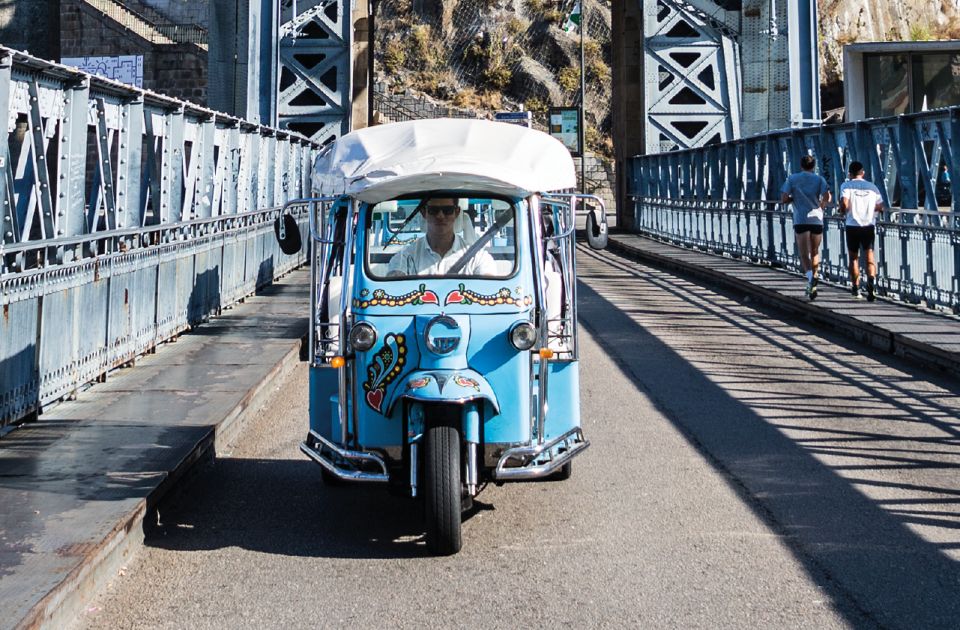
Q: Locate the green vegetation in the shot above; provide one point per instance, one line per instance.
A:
(497, 77)
(598, 71)
(437, 83)
(569, 79)
(545, 10)
(394, 57)
(920, 33)
(515, 26)
(537, 105)
(425, 50)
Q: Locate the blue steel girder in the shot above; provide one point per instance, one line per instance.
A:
(117, 227)
(691, 84)
(316, 71)
(88, 158)
(952, 156)
(918, 250)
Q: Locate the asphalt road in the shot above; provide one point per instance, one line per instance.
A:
(744, 472)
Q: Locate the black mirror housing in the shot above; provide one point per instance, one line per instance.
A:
(597, 235)
(288, 234)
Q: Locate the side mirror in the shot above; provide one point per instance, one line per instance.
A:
(596, 230)
(288, 234)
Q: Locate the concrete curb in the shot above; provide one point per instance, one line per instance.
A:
(880, 338)
(63, 605)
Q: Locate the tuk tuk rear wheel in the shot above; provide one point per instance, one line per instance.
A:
(442, 489)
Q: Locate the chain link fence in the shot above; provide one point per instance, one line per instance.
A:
(474, 58)
(475, 55)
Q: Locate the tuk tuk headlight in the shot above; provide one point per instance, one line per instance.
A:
(442, 335)
(523, 335)
(363, 336)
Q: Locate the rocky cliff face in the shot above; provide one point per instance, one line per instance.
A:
(848, 21)
(497, 54)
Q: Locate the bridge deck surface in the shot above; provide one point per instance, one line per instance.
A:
(73, 484)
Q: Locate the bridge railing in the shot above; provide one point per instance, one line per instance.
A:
(128, 217)
(917, 253)
(724, 198)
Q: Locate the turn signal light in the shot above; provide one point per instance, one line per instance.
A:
(337, 362)
(546, 353)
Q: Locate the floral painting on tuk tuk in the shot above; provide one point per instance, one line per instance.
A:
(463, 381)
(463, 295)
(418, 383)
(422, 295)
(386, 366)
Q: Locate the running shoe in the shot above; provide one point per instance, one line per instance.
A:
(812, 289)
(855, 291)
(871, 290)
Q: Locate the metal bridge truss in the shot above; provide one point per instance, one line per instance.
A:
(724, 198)
(692, 91)
(127, 218)
(316, 72)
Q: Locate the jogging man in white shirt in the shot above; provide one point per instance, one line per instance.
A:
(861, 202)
(437, 251)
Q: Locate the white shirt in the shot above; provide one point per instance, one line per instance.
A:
(862, 199)
(419, 259)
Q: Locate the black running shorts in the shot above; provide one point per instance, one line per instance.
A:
(813, 228)
(860, 236)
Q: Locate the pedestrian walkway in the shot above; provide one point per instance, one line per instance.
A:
(928, 337)
(76, 485)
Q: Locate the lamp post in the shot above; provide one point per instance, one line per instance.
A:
(583, 101)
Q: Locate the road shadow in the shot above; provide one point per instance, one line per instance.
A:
(281, 506)
(861, 551)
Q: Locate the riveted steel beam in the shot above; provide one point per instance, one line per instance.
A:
(144, 261)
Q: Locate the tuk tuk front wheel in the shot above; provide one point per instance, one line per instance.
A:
(565, 472)
(330, 479)
(442, 489)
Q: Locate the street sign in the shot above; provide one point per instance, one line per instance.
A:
(565, 127)
(515, 118)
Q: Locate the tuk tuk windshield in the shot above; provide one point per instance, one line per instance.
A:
(442, 236)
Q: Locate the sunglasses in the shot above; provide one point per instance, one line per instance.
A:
(447, 210)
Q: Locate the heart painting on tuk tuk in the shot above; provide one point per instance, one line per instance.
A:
(384, 368)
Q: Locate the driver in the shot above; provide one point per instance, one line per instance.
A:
(440, 248)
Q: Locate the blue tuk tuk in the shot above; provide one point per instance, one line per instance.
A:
(443, 344)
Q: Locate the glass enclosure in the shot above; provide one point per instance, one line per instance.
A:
(905, 82)
(441, 236)
(936, 81)
(887, 80)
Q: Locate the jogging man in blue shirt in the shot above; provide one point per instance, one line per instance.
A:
(808, 192)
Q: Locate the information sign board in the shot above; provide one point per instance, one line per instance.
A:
(565, 127)
(515, 118)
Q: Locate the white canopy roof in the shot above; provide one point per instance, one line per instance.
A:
(386, 161)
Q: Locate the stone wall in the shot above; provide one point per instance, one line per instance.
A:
(177, 70)
(32, 26)
(602, 182)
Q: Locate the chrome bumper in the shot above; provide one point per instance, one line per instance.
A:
(540, 460)
(347, 465)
